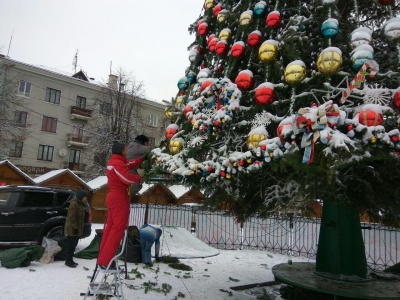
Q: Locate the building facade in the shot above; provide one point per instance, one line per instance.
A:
(56, 109)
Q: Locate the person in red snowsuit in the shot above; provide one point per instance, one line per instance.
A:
(118, 180)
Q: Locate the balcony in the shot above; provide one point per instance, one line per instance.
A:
(77, 140)
(77, 168)
(80, 113)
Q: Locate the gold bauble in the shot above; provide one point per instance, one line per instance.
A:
(180, 100)
(255, 139)
(225, 35)
(222, 16)
(175, 146)
(295, 73)
(268, 52)
(329, 62)
(245, 18)
(373, 139)
(209, 3)
(168, 113)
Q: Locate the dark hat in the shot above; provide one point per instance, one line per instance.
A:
(117, 147)
(142, 139)
(80, 194)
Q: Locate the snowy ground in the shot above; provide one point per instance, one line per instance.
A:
(211, 278)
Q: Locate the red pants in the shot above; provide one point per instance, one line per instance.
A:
(117, 221)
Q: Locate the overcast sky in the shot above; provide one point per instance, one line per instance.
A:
(147, 39)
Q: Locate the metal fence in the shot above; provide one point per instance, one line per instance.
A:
(296, 236)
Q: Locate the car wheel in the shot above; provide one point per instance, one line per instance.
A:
(56, 233)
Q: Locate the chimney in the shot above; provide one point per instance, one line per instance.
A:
(113, 81)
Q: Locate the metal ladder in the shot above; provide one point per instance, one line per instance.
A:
(109, 283)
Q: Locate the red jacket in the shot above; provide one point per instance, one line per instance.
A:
(118, 175)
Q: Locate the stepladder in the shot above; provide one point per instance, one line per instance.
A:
(107, 282)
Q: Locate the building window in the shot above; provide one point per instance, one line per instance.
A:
(81, 102)
(20, 118)
(49, 124)
(16, 150)
(74, 158)
(53, 96)
(153, 120)
(45, 153)
(24, 88)
(105, 109)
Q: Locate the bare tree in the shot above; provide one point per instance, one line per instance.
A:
(12, 131)
(119, 117)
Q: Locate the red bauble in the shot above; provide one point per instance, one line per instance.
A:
(254, 39)
(396, 99)
(187, 110)
(264, 95)
(244, 80)
(210, 37)
(205, 84)
(202, 28)
(273, 20)
(370, 118)
(217, 9)
(284, 127)
(221, 48)
(394, 138)
(238, 50)
(212, 44)
(220, 69)
(171, 130)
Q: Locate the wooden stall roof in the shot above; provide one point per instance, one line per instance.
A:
(63, 178)
(12, 175)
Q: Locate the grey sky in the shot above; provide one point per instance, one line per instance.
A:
(148, 39)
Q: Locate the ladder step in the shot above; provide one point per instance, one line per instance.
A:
(104, 287)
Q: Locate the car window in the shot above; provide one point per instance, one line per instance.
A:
(8, 199)
(63, 197)
(37, 199)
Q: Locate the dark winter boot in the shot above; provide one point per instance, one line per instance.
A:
(70, 263)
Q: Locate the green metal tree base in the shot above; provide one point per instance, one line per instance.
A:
(341, 251)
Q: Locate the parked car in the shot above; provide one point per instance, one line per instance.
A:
(29, 213)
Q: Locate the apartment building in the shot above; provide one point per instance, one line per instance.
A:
(56, 109)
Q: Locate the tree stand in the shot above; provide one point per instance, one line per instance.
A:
(340, 271)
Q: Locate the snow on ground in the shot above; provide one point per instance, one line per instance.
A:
(211, 278)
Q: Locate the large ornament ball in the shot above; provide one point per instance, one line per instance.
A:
(171, 130)
(225, 34)
(244, 80)
(217, 10)
(202, 29)
(265, 94)
(187, 111)
(205, 84)
(246, 17)
(222, 48)
(209, 4)
(273, 20)
(295, 72)
(222, 15)
(260, 8)
(254, 138)
(370, 118)
(392, 29)
(212, 44)
(268, 51)
(238, 50)
(360, 36)
(329, 61)
(191, 76)
(176, 146)
(180, 100)
(285, 127)
(360, 55)
(254, 39)
(330, 28)
(168, 113)
(396, 99)
(183, 84)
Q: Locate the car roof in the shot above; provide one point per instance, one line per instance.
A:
(32, 187)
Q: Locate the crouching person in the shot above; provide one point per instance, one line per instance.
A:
(149, 235)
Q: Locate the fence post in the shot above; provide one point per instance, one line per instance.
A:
(241, 235)
(146, 214)
(290, 237)
(193, 223)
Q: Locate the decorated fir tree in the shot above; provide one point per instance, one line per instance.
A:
(289, 102)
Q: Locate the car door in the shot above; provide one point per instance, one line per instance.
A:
(8, 201)
(33, 210)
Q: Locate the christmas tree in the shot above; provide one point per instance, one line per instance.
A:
(289, 102)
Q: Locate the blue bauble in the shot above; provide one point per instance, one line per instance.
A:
(191, 76)
(183, 84)
(329, 29)
(259, 8)
(359, 57)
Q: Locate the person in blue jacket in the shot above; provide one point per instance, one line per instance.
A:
(150, 234)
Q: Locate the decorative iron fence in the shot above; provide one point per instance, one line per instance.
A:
(292, 236)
